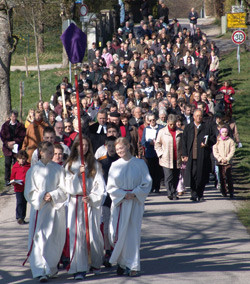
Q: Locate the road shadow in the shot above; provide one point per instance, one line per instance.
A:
(192, 248)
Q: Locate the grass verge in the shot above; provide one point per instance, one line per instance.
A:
(241, 112)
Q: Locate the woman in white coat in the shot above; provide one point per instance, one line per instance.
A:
(129, 183)
(95, 187)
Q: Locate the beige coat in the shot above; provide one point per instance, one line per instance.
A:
(224, 149)
(164, 147)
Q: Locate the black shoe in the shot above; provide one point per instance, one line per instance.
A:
(224, 194)
(200, 199)
(20, 221)
(170, 197)
(7, 183)
(106, 262)
(175, 197)
(119, 271)
(215, 183)
(193, 199)
(43, 279)
(231, 196)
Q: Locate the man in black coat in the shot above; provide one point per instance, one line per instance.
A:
(163, 11)
(12, 133)
(98, 130)
(137, 119)
(198, 139)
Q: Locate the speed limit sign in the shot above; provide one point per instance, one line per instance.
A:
(238, 37)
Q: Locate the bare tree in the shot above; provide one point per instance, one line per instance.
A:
(7, 46)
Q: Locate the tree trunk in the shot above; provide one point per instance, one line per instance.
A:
(40, 38)
(37, 56)
(5, 59)
(40, 28)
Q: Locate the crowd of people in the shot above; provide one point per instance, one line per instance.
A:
(152, 110)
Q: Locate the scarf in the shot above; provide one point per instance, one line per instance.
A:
(222, 137)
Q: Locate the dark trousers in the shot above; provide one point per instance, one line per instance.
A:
(9, 160)
(21, 204)
(225, 173)
(197, 189)
(155, 171)
(171, 179)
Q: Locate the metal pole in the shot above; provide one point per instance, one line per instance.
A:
(70, 78)
(21, 104)
(238, 57)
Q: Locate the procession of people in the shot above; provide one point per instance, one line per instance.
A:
(153, 118)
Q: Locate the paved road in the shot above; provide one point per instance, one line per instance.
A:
(182, 242)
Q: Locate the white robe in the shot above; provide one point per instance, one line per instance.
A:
(126, 215)
(95, 189)
(50, 231)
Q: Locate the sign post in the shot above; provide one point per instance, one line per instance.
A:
(238, 37)
(83, 14)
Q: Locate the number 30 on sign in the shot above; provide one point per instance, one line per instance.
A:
(238, 37)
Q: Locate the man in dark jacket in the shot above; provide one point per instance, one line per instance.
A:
(163, 11)
(98, 130)
(198, 139)
(12, 135)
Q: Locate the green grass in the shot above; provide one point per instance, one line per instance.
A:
(26, 47)
(227, 35)
(50, 79)
(241, 112)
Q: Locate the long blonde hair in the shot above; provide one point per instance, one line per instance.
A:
(29, 117)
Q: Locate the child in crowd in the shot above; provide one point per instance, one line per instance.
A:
(106, 162)
(45, 191)
(18, 172)
(58, 158)
(223, 152)
(58, 154)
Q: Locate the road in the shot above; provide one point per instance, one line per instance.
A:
(182, 242)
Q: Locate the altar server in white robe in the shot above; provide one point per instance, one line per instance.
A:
(45, 191)
(95, 187)
(129, 184)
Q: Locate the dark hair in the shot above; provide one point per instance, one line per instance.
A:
(112, 125)
(43, 147)
(110, 138)
(49, 129)
(15, 112)
(89, 158)
(22, 154)
(58, 146)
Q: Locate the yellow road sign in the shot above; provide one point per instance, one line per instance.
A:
(236, 21)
